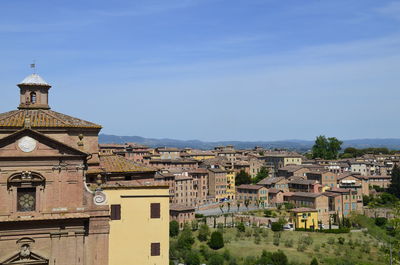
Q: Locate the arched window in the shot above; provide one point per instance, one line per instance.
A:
(25, 186)
(33, 97)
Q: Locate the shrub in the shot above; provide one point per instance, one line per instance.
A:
(276, 226)
(279, 258)
(314, 261)
(240, 227)
(366, 248)
(205, 251)
(341, 240)
(216, 240)
(173, 228)
(289, 206)
(248, 232)
(227, 255)
(204, 233)
(185, 239)
(307, 240)
(380, 221)
(268, 213)
(257, 239)
(195, 225)
(192, 258)
(265, 233)
(301, 247)
(216, 259)
(289, 243)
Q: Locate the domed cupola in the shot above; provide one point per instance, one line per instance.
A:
(34, 93)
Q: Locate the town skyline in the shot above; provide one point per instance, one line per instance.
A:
(282, 71)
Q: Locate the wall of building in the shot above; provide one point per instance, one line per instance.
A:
(131, 237)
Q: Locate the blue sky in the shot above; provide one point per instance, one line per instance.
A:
(211, 69)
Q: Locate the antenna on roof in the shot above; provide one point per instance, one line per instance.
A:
(33, 66)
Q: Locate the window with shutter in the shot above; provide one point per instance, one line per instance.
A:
(154, 210)
(115, 212)
(155, 249)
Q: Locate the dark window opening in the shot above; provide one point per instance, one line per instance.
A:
(155, 249)
(115, 212)
(155, 210)
(26, 199)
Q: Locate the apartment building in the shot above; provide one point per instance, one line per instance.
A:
(253, 193)
(325, 177)
(217, 183)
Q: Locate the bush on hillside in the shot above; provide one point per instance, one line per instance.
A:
(216, 240)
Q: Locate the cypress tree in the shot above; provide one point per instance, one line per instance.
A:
(394, 187)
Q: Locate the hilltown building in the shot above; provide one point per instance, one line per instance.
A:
(49, 214)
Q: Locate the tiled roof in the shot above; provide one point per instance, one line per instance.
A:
(301, 181)
(180, 207)
(119, 164)
(41, 118)
(306, 194)
(217, 170)
(270, 181)
(273, 190)
(249, 187)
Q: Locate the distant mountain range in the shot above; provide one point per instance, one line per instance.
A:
(296, 145)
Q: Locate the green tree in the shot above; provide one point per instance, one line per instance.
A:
(262, 174)
(185, 239)
(276, 226)
(204, 233)
(265, 258)
(216, 240)
(279, 258)
(242, 178)
(326, 148)
(394, 187)
(173, 228)
(314, 261)
(247, 203)
(192, 258)
(216, 259)
(334, 146)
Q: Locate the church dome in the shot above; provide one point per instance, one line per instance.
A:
(34, 79)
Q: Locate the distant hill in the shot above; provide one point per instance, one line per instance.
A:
(297, 145)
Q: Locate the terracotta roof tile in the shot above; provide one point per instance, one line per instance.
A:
(41, 118)
(119, 164)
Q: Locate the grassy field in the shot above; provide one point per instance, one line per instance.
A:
(363, 249)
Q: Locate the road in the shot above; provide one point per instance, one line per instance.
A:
(234, 209)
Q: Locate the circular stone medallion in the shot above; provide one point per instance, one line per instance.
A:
(27, 144)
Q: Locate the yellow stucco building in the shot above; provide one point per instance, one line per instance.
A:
(305, 218)
(139, 226)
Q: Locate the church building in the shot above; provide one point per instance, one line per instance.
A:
(61, 203)
(47, 215)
